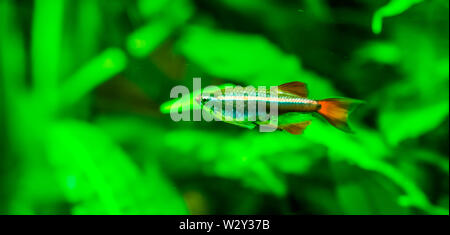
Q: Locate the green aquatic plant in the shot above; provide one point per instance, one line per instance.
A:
(394, 7)
(85, 107)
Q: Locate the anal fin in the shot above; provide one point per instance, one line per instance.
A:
(295, 128)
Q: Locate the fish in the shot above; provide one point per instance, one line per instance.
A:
(290, 98)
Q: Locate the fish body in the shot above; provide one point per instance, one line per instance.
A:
(247, 106)
(241, 99)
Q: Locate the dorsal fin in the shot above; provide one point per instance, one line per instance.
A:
(296, 88)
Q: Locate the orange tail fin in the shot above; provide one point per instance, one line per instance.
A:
(336, 111)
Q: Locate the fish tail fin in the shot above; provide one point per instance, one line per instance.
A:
(336, 111)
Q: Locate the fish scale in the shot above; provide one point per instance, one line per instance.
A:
(239, 102)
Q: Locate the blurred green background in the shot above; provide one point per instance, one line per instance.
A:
(84, 86)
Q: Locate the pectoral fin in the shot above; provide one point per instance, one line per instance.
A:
(248, 125)
(295, 128)
(220, 117)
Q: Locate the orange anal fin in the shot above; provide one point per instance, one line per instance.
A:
(296, 88)
(295, 128)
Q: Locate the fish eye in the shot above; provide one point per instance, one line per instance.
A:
(205, 99)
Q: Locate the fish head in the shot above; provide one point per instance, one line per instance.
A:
(210, 99)
(204, 98)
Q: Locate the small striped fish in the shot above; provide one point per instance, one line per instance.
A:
(242, 106)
